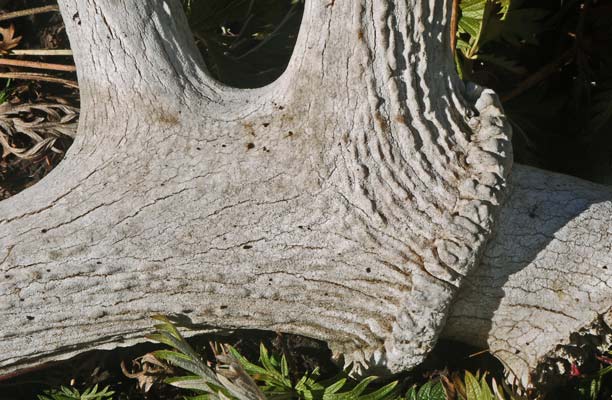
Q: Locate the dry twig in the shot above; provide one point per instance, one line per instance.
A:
(37, 65)
(30, 11)
(41, 52)
(38, 77)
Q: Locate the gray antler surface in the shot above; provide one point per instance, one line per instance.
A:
(347, 201)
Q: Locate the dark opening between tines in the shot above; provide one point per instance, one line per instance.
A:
(245, 44)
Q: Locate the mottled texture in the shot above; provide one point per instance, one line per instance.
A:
(543, 293)
(347, 201)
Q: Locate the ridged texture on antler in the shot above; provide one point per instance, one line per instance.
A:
(346, 201)
(418, 161)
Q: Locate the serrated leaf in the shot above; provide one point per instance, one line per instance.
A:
(335, 387)
(381, 393)
(284, 366)
(429, 391)
(65, 393)
(472, 387)
(185, 362)
(355, 392)
(193, 382)
(249, 367)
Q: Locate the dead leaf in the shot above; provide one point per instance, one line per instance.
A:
(9, 41)
(152, 370)
(449, 388)
(40, 124)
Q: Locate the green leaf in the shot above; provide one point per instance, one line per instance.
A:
(65, 393)
(335, 387)
(284, 366)
(193, 382)
(472, 387)
(353, 393)
(187, 363)
(384, 392)
(477, 387)
(475, 16)
(432, 390)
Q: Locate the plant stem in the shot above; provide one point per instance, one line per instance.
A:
(38, 77)
(41, 52)
(454, 25)
(30, 11)
(37, 65)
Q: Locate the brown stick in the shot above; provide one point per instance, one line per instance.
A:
(41, 52)
(31, 76)
(37, 65)
(539, 76)
(454, 26)
(25, 13)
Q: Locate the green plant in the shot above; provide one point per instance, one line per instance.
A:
(6, 92)
(203, 380)
(66, 393)
(550, 61)
(432, 390)
(235, 377)
(487, 22)
(476, 387)
(589, 387)
(274, 375)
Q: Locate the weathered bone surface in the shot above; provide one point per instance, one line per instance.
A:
(542, 297)
(347, 201)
